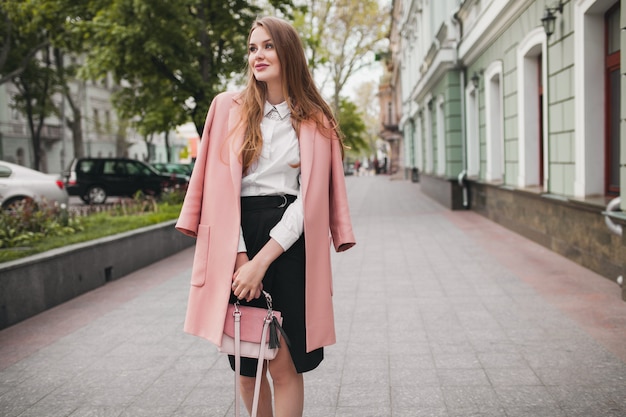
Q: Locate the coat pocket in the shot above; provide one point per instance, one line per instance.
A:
(201, 256)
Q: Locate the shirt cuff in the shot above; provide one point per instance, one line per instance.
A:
(284, 236)
(242, 242)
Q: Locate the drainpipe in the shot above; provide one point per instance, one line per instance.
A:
(462, 178)
(613, 206)
(616, 229)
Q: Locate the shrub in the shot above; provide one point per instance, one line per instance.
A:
(35, 229)
(28, 222)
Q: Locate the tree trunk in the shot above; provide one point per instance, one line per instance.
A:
(167, 147)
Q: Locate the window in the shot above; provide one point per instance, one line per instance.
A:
(472, 129)
(96, 121)
(530, 105)
(441, 138)
(494, 114)
(5, 172)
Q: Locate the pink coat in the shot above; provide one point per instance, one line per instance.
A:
(211, 213)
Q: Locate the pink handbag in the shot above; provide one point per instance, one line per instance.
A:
(252, 322)
(252, 332)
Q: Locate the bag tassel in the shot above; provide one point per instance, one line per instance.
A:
(275, 327)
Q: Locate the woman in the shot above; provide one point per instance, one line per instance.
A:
(267, 189)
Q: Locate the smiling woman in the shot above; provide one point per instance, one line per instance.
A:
(269, 166)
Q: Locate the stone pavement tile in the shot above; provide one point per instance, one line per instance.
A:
(575, 398)
(534, 411)
(402, 411)
(502, 377)
(364, 395)
(414, 377)
(526, 396)
(417, 398)
(462, 377)
(89, 411)
(369, 411)
(471, 400)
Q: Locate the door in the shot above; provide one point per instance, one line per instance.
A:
(612, 103)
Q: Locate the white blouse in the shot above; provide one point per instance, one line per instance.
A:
(277, 172)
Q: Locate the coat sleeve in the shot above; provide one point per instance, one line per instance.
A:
(189, 218)
(340, 223)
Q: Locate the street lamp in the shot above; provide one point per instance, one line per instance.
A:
(549, 18)
(548, 21)
(475, 80)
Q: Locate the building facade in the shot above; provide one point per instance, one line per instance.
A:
(102, 133)
(516, 109)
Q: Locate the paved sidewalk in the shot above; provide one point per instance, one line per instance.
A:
(439, 313)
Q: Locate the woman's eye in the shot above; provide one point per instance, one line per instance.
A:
(252, 49)
(269, 46)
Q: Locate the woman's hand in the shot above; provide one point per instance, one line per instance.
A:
(248, 281)
(248, 276)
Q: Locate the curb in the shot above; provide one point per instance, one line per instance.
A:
(37, 283)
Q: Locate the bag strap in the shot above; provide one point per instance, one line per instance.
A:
(237, 315)
(259, 369)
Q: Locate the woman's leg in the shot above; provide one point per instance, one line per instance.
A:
(288, 385)
(265, 394)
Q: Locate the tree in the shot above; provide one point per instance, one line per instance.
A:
(352, 126)
(35, 36)
(21, 37)
(366, 100)
(34, 84)
(190, 47)
(341, 36)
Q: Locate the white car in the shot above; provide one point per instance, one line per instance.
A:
(20, 183)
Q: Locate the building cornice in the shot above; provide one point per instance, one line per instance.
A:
(488, 26)
(442, 62)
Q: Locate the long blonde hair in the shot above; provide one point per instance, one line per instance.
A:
(302, 96)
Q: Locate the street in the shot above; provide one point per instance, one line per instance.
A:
(438, 313)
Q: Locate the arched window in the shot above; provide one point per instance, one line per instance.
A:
(494, 125)
(530, 104)
(441, 137)
(594, 66)
(428, 135)
(472, 126)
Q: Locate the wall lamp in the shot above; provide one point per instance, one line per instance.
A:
(549, 18)
(475, 80)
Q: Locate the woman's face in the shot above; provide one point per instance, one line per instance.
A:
(263, 59)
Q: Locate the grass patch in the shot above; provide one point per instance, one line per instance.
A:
(95, 226)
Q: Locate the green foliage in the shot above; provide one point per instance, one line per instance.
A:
(340, 37)
(174, 56)
(169, 58)
(28, 229)
(353, 127)
(28, 222)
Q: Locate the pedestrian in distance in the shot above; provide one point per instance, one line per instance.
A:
(267, 191)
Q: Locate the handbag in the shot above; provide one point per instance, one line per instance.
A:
(252, 332)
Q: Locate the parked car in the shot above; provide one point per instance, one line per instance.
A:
(182, 171)
(18, 183)
(94, 179)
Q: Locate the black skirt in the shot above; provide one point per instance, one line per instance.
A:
(284, 280)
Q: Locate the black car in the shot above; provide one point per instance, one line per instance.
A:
(182, 171)
(94, 179)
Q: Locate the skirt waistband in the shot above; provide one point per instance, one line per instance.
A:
(266, 201)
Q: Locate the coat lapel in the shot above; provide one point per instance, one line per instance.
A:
(235, 144)
(307, 145)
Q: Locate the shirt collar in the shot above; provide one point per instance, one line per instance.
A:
(282, 109)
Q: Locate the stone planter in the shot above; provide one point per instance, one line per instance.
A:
(34, 284)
